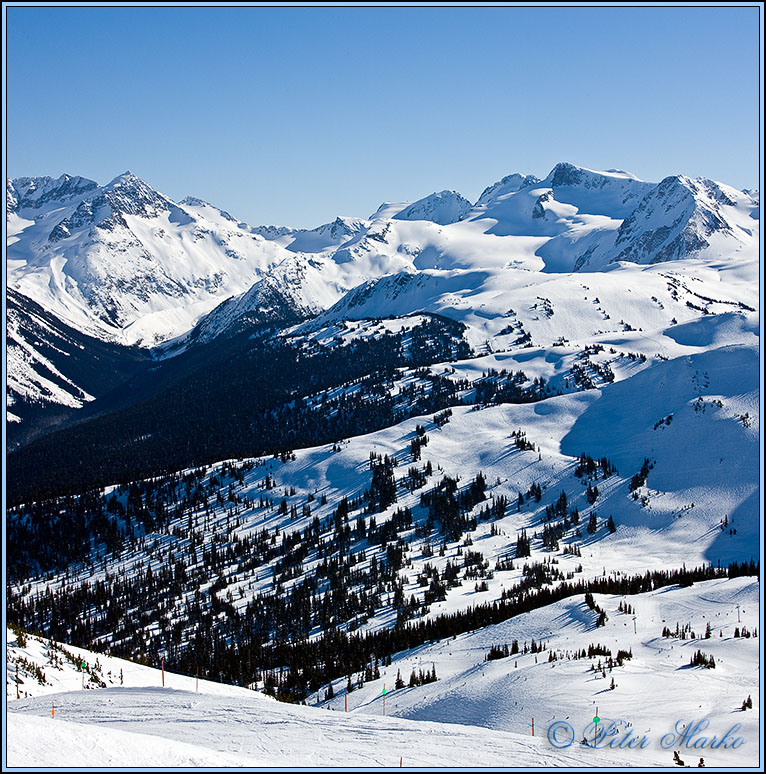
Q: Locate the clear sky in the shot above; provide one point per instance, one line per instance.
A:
(296, 115)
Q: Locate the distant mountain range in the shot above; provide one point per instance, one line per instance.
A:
(124, 264)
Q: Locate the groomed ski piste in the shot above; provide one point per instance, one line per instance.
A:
(479, 713)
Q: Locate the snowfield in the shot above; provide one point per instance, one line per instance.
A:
(125, 263)
(602, 423)
(152, 727)
(477, 714)
(653, 690)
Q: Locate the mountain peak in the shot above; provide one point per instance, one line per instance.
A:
(442, 207)
(126, 178)
(507, 185)
(194, 201)
(33, 192)
(388, 210)
(680, 217)
(567, 174)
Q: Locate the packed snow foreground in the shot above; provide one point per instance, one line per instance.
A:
(96, 710)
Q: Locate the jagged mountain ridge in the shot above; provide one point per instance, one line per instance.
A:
(573, 220)
(126, 263)
(678, 218)
(94, 230)
(444, 207)
(34, 192)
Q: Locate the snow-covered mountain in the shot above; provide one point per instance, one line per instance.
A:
(123, 262)
(679, 218)
(31, 193)
(443, 208)
(54, 369)
(457, 427)
(292, 289)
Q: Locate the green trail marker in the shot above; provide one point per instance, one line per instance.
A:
(597, 719)
(384, 691)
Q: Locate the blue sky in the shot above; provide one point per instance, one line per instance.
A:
(295, 115)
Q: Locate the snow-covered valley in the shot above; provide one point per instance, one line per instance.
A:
(500, 459)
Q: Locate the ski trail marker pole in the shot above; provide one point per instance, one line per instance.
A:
(17, 679)
(533, 726)
(163, 672)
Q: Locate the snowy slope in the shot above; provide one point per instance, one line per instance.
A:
(672, 389)
(653, 690)
(31, 376)
(124, 262)
(477, 713)
(53, 367)
(500, 304)
(199, 723)
(443, 207)
(180, 728)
